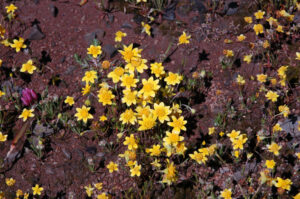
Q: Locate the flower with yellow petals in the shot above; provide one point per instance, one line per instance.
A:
(147, 122)
(129, 52)
(105, 96)
(129, 97)
(248, 19)
(169, 173)
(28, 67)
(11, 8)
(262, 78)
(284, 109)
(271, 95)
(119, 36)
(18, 44)
(173, 78)
(239, 142)
(83, 114)
(226, 194)
(258, 28)
(128, 81)
(199, 157)
(146, 28)
(112, 167)
(274, 148)
(184, 39)
(86, 89)
(89, 190)
(270, 164)
(157, 69)
(10, 181)
(240, 80)
(136, 63)
(233, 135)
(155, 150)
(241, 37)
(2, 32)
(37, 190)
(98, 185)
(69, 100)
(94, 51)
(150, 86)
(26, 114)
(297, 56)
(177, 124)
(2, 93)
(102, 196)
(247, 58)
(143, 110)
(128, 117)
(172, 138)
(90, 76)
(130, 142)
(2, 137)
(276, 128)
(259, 14)
(279, 29)
(283, 184)
(161, 112)
(102, 118)
(136, 170)
(228, 53)
(116, 74)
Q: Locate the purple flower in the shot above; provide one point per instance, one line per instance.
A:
(28, 96)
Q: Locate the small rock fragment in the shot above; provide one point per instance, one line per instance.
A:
(35, 33)
(53, 10)
(109, 50)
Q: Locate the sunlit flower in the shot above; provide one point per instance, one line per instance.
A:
(284, 109)
(274, 148)
(138, 64)
(262, 78)
(169, 173)
(105, 96)
(98, 185)
(69, 100)
(228, 53)
(199, 157)
(184, 39)
(136, 170)
(233, 135)
(247, 58)
(11, 8)
(37, 190)
(150, 86)
(94, 51)
(2, 137)
(86, 89)
(102, 196)
(248, 19)
(2, 93)
(283, 184)
(146, 28)
(172, 138)
(177, 124)
(83, 114)
(119, 36)
(155, 150)
(129, 97)
(297, 55)
(130, 142)
(89, 190)
(241, 37)
(270, 164)
(116, 74)
(90, 76)
(271, 95)
(157, 69)
(143, 110)
(161, 112)
(258, 28)
(173, 78)
(272, 21)
(259, 14)
(239, 142)
(266, 44)
(112, 167)
(279, 29)
(240, 80)
(18, 44)
(26, 114)
(211, 130)
(129, 52)
(277, 127)
(147, 122)
(10, 181)
(128, 117)
(226, 194)
(128, 81)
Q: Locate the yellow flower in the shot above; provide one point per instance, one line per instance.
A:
(2, 32)
(272, 21)
(248, 19)
(233, 135)
(259, 14)
(282, 72)
(298, 195)
(19, 193)
(240, 80)
(198, 157)
(262, 78)
(173, 78)
(161, 112)
(272, 96)
(283, 184)
(258, 28)
(102, 118)
(2, 93)
(128, 117)
(128, 81)
(274, 148)
(172, 138)
(211, 130)
(146, 28)
(180, 148)
(89, 190)
(130, 142)
(1, 62)
(228, 53)
(270, 164)
(177, 124)
(241, 37)
(150, 86)
(11, 8)
(239, 142)
(279, 29)
(157, 69)
(28, 67)
(138, 1)
(297, 56)
(37, 190)
(69, 100)
(86, 89)
(98, 185)
(184, 39)
(276, 128)
(90, 76)
(169, 173)
(18, 44)
(143, 110)
(119, 36)
(112, 167)
(129, 52)
(155, 150)
(116, 74)
(247, 58)
(147, 122)
(10, 181)
(136, 170)
(156, 164)
(2, 137)
(94, 51)
(102, 196)
(266, 44)
(136, 63)
(83, 114)
(26, 114)
(105, 96)
(129, 97)
(226, 194)
(221, 133)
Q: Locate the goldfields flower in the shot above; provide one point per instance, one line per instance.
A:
(119, 36)
(169, 173)
(69, 100)
(262, 78)
(247, 58)
(184, 39)
(177, 124)
(248, 19)
(233, 135)
(129, 52)
(86, 89)
(161, 112)
(83, 114)
(241, 37)
(136, 170)
(157, 69)
(26, 114)
(128, 81)
(283, 184)
(2, 32)
(10, 181)
(274, 148)
(90, 76)
(28, 67)
(259, 14)
(128, 117)
(129, 97)
(11, 8)
(143, 110)
(116, 74)
(155, 150)
(226, 194)
(239, 142)
(228, 53)
(173, 78)
(112, 167)
(147, 122)
(297, 55)
(130, 142)
(258, 28)
(105, 96)
(272, 96)
(146, 28)
(150, 86)
(198, 157)
(270, 164)
(277, 127)
(102, 196)
(37, 190)
(284, 109)
(89, 190)
(3, 137)
(172, 138)
(240, 80)
(18, 44)
(94, 51)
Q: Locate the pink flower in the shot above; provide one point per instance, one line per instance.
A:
(28, 96)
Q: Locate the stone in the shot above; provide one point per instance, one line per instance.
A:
(53, 10)
(109, 50)
(36, 33)
(67, 154)
(95, 34)
(231, 8)
(126, 25)
(42, 131)
(199, 6)
(70, 70)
